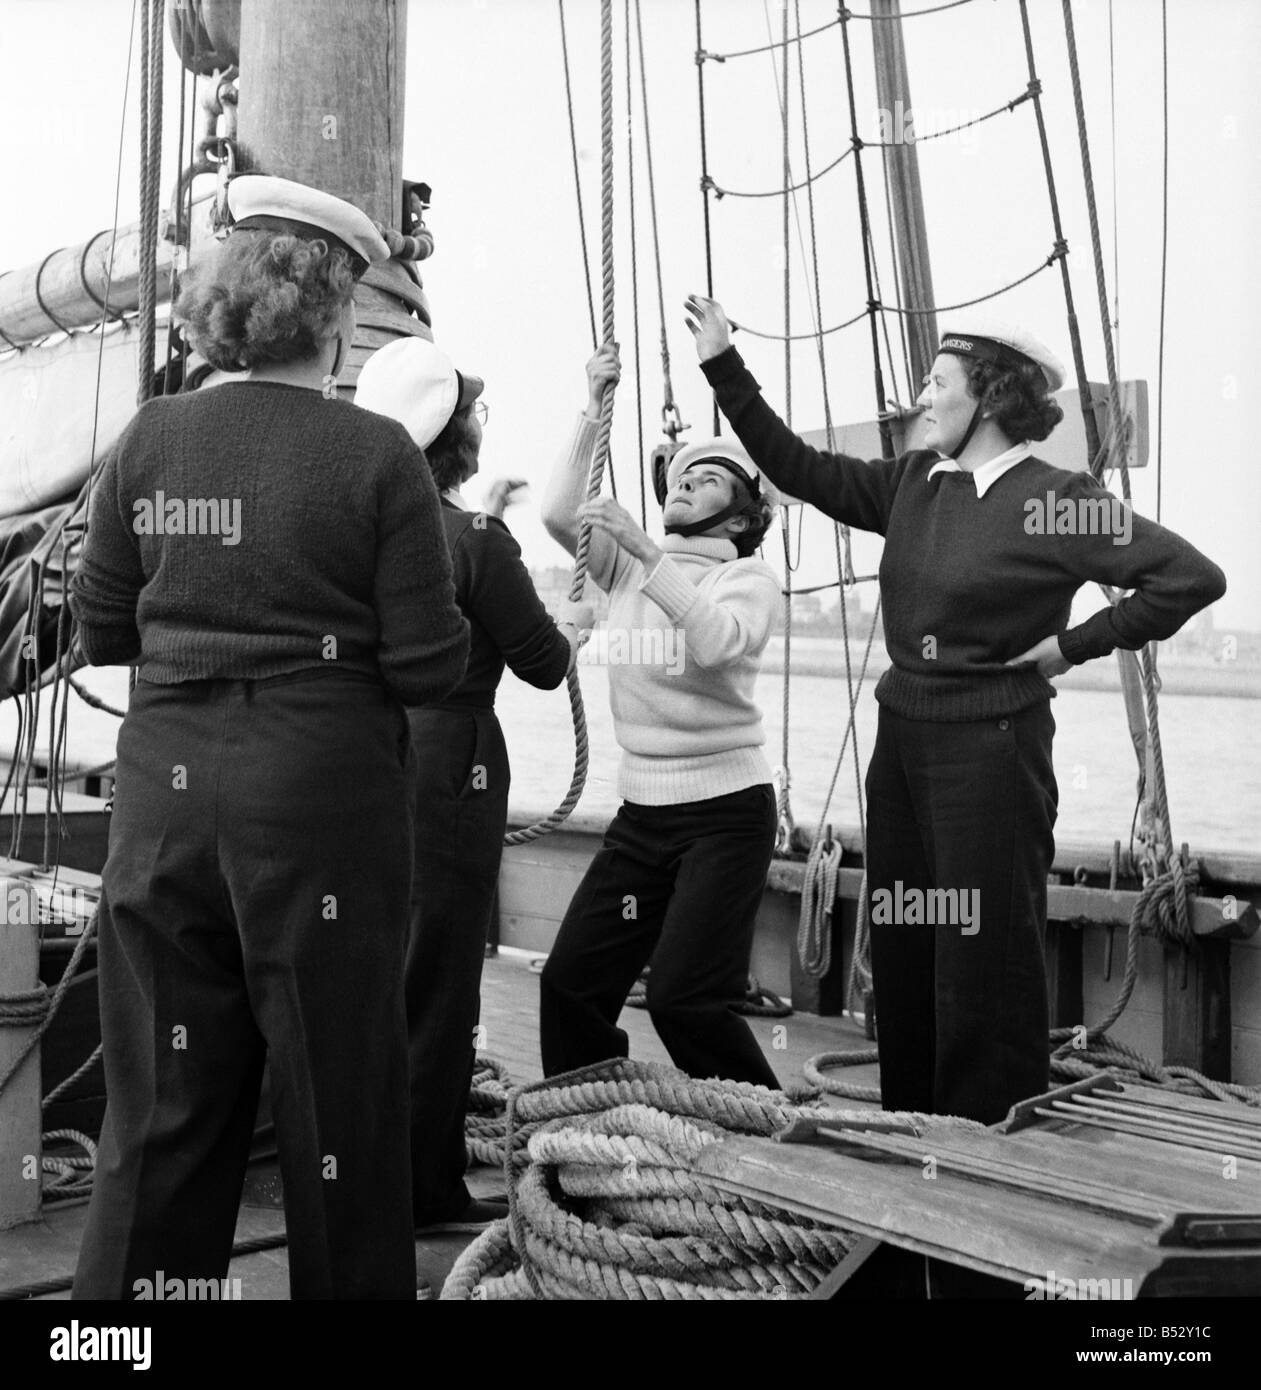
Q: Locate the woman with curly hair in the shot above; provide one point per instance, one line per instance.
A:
(976, 590)
(271, 560)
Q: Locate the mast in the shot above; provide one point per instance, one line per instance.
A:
(901, 162)
(322, 97)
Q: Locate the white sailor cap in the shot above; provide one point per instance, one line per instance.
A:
(415, 382)
(261, 201)
(1004, 343)
(726, 453)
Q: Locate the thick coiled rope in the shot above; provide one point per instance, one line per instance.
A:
(605, 1202)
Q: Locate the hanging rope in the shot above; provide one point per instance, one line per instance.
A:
(705, 181)
(599, 463)
(1165, 860)
(672, 421)
(151, 36)
(1164, 245)
(573, 146)
(1074, 332)
(823, 864)
(634, 260)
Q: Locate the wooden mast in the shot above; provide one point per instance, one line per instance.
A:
(901, 161)
(322, 97)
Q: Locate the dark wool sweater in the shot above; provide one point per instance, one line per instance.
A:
(507, 620)
(965, 586)
(323, 547)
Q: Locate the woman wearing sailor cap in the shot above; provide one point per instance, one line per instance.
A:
(462, 770)
(678, 879)
(260, 853)
(961, 787)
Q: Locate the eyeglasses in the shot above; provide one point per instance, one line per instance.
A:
(481, 410)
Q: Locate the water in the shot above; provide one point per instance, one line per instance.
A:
(1210, 745)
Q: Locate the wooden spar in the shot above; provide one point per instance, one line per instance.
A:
(73, 280)
(901, 162)
(322, 95)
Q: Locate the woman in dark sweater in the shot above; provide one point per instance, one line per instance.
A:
(462, 772)
(272, 561)
(976, 590)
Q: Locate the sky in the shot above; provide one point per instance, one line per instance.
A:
(486, 127)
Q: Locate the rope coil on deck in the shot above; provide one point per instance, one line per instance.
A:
(605, 1202)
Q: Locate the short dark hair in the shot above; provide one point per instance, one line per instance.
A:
(454, 452)
(259, 297)
(1016, 398)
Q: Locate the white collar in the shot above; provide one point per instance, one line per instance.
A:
(710, 547)
(453, 494)
(985, 475)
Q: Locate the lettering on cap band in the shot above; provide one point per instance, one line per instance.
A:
(987, 350)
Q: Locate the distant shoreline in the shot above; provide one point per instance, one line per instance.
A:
(1176, 678)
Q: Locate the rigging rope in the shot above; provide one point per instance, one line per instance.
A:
(1164, 250)
(1074, 332)
(878, 305)
(669, 410)
(705, 181)
(151, 49)
(573, 146)
(634, 260)
(720, 191)
(1167, 862)
(601, 459)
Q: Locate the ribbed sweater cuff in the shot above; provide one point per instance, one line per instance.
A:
(1093, 638)
(670, 589)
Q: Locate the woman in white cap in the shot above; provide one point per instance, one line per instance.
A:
(462, 771)
(961, 792)
(679, 876)
(271, 561)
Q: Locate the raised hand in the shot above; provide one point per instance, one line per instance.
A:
(604, 367)
(501, 494)
(708, 325)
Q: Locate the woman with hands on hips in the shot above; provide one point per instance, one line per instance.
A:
(976, 588)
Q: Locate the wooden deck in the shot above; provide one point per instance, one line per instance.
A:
(47, 1250)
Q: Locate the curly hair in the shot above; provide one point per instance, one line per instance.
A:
(453, 454)
(759, 513)
(262, 297)
(1015, 397)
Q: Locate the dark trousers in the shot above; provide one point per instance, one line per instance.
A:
(677, 888)
(257, 884)
(461, 784)
(961, 1016)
